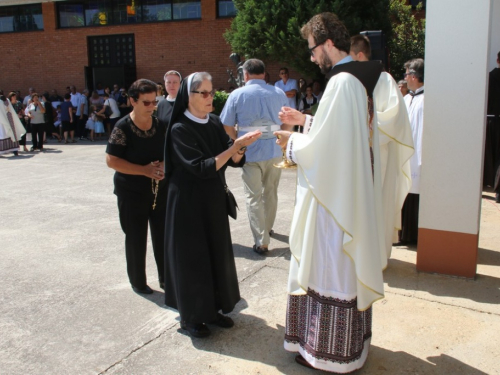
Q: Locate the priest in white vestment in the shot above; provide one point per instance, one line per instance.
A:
(415, 103)
(337, 237)
(11, 128)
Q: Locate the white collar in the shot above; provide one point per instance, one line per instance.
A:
(192, 117)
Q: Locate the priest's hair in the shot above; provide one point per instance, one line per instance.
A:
(324, 26)
(416, 67)
(198, 79)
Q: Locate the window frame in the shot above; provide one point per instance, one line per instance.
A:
(218, 9)
(19, 11)
(113, 8)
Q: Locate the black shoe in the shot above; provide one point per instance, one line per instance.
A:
(497, 197)
(271, 233)
(260, 250)
(16, 153)
(162, 285)
(196, 330)
(223, 321)
(32, 149)
(301, 361)
(144, 290)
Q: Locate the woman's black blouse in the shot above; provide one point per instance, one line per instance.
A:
(136, 146)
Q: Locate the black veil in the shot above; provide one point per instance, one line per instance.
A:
(180, 106)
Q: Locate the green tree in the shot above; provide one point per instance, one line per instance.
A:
(270, 29)
(408, 38)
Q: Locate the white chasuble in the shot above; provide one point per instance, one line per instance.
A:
(335, 183)
(396, 148)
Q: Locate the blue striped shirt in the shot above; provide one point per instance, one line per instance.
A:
(255, 101)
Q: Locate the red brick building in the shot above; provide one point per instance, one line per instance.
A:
(53, 44)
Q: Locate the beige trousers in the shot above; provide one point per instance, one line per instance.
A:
(261, 180)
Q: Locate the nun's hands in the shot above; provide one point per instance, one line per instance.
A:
(247, 139)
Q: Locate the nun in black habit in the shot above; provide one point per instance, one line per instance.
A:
(200, 270)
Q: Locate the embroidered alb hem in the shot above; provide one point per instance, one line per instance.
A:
(330, 333)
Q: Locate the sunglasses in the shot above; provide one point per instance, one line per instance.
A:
(147, 103)
(205, 94)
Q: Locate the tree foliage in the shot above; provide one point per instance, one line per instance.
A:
(270, 29)
(408, 38)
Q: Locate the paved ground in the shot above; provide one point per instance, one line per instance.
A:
(66, 306)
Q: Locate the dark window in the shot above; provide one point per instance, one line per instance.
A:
(71, 15)
(185, 9)
(111, 50)
(156, 10)
(21, 18)
(118, 12)
(226, 8)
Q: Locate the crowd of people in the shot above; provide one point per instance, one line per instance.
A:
(85, 116)
(357, 143)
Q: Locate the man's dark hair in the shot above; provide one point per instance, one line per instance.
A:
(326, 26)
(141, 86)
(361, 43)
(498, 56)
(106, 95)
(285, 69)
(416, 67)
(67, 96)
(254, 67)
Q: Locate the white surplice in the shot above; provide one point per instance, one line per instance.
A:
(415, 105)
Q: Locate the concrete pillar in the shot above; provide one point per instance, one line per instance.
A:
(457, 58)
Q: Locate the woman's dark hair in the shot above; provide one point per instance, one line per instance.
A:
(11, 94)
(326, 26)
(46, 95)
(141, 86)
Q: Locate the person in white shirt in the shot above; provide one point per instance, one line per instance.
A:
(415, 104)
(289, 86)
(111, 103)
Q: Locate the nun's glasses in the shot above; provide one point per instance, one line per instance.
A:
(205, 93)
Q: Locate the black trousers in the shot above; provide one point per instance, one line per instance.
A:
(409, 219)
(37, 130)
(135, 214)
(81, 131)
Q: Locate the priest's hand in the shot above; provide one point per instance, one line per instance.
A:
(282, 137)
(290, 116)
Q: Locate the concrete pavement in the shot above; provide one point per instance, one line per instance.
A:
(66, 306)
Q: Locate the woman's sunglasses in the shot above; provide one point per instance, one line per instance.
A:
(205, 93)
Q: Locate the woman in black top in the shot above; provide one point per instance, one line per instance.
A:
(50, 129)
(201, 275)
(135, 152)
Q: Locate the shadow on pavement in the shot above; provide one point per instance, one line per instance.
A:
(403, 275)
(384, 361)
(488, 257)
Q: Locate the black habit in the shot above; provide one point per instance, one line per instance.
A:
(200, 269)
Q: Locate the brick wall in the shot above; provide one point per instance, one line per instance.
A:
(55, 58)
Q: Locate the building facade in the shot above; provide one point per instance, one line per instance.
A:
(54, 44)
